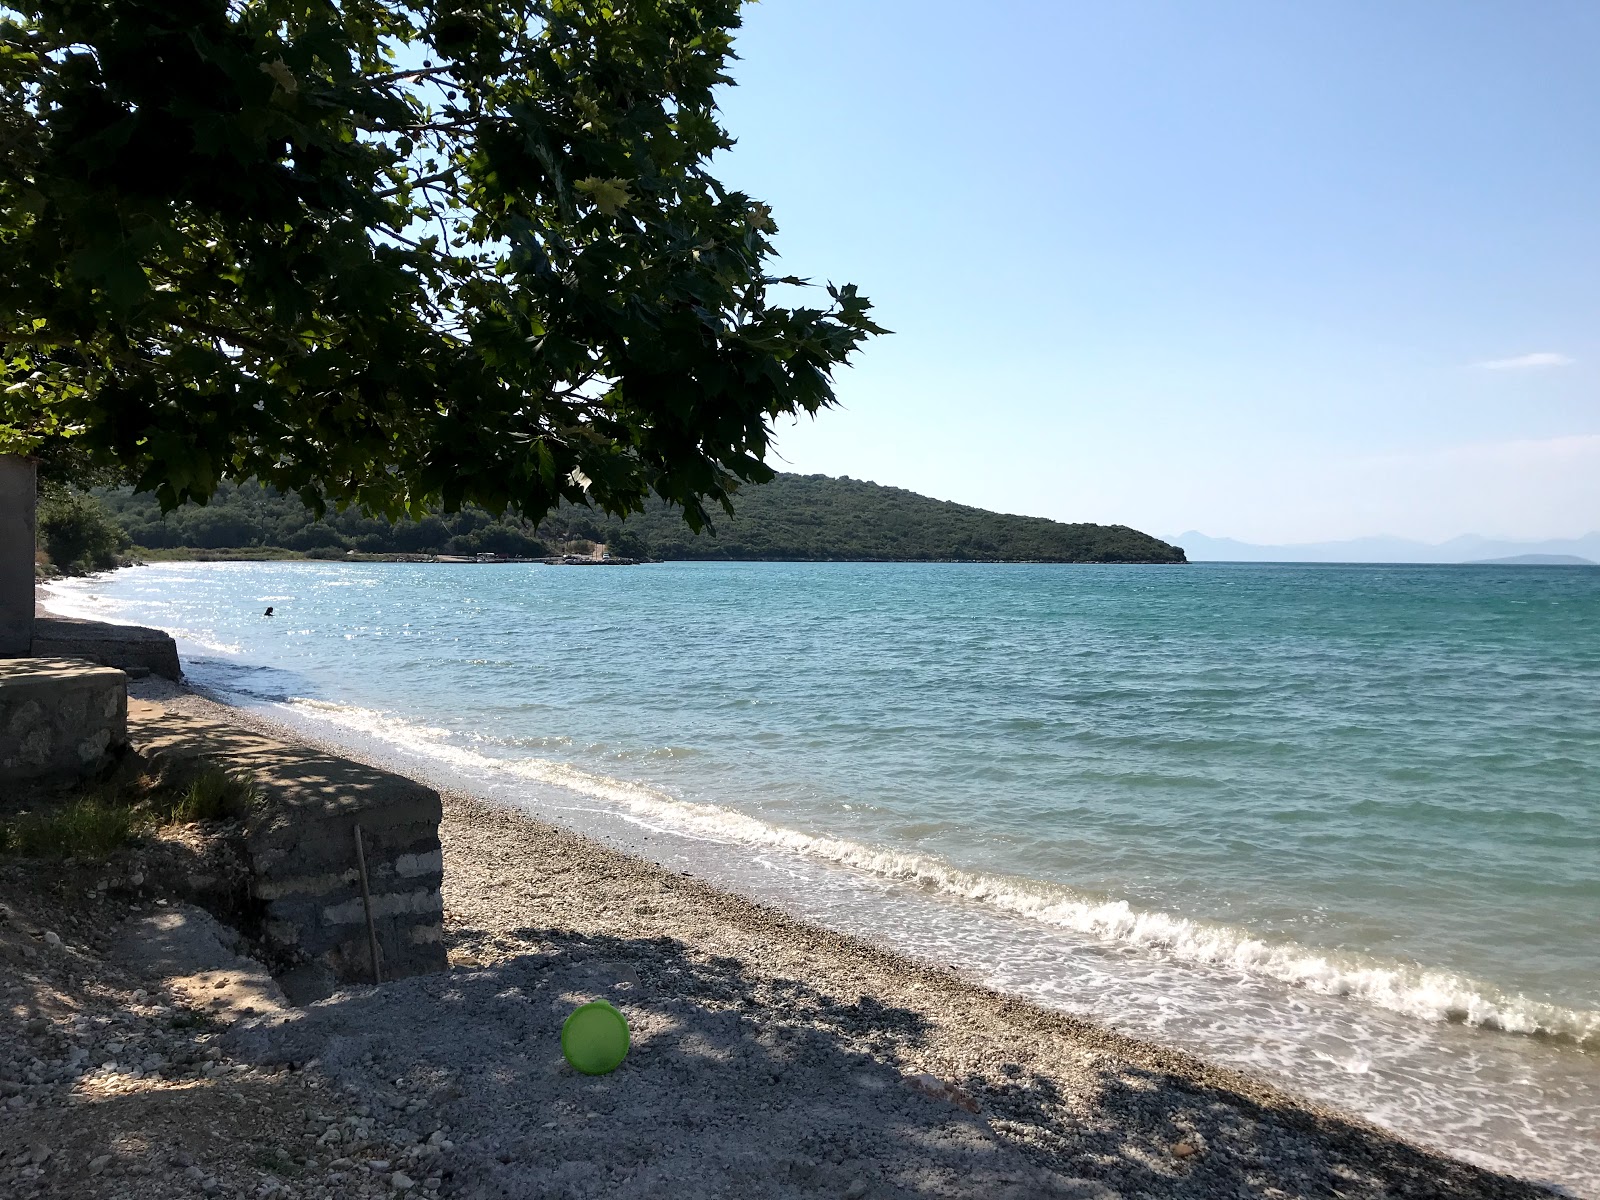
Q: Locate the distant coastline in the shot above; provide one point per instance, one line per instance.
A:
(792, 518)
(1469, 549)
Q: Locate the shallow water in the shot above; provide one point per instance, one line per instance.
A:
(1339, 824)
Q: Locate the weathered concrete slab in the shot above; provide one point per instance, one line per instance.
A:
(191, 952)
(59, 718)
(16, 555)
(135, 648)
(302, 850)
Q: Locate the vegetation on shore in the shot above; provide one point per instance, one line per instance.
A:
(91, 824)
(795, 517)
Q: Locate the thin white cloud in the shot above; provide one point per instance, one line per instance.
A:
(1522, 362)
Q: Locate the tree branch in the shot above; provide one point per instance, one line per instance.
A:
(415, 183)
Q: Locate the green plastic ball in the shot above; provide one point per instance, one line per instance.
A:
(594, 1038)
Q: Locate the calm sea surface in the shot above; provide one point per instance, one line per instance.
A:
(1338, 825)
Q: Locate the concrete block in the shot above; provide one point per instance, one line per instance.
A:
(302, 851)
(60, 719)
(17, 502)
(134, 648)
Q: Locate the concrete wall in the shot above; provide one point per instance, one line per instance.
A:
(133, 648)
(302, 851)
(16, 555)
(59, 719)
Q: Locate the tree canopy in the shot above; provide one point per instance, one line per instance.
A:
(393, 253)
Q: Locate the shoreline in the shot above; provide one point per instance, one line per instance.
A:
(1090, 1107)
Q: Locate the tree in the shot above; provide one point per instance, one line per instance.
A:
(78, 533)
(388, 252)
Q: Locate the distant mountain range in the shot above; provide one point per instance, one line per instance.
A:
(1469, 548)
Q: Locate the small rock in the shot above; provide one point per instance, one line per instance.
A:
(401, 1182)
(1184, 1150)
(99, 1163)
(856, 1190)
(38, 1154)
(436, 1138)
(136, 879)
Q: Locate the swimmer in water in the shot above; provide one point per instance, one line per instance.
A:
(268, 613)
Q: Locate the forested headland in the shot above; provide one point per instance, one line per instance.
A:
(794, 517)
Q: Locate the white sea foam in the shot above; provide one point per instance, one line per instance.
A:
(71, 598)
(1414, 991)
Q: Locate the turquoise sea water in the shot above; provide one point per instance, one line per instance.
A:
(1337, 824)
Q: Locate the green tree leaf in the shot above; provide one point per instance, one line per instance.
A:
(386, 254)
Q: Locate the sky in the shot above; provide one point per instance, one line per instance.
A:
(1280, 272)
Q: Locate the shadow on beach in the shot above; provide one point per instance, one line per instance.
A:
(742, 1083)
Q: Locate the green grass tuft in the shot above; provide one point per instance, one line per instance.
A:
(214, 795)
(89, 827)
(99, 821)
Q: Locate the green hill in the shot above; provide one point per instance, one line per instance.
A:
(795, 517)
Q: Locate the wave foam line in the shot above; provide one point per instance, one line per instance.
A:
(73, 598)
(1417, 992)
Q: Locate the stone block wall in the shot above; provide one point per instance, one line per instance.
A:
(60, 719)
(307, 873)
(301, 847)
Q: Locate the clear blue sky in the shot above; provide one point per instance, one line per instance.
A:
(1228, 266)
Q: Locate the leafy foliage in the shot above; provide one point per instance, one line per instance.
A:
(392, 253)
(805, 517)
(247, 515)
(78, 532)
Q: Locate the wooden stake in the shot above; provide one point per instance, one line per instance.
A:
(366, 902)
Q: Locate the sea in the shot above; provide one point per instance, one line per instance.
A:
(1338, 826)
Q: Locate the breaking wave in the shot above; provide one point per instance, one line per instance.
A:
(1414, 991)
